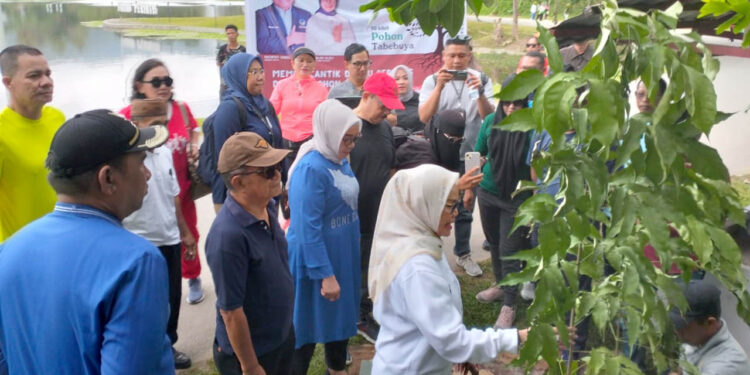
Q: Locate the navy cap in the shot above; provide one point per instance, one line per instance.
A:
(704, 300)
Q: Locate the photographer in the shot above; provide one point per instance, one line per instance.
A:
(456, 86)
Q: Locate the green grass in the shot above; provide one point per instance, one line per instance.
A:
(175, 34)
(220, 22)
(482, 33)
(497, 65)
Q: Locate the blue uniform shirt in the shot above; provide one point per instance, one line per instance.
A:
(250, 267)
(82, 295)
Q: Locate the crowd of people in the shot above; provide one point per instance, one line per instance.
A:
(331, 206)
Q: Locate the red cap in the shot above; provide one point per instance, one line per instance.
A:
(384, 87)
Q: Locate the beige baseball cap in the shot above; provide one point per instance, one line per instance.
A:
(248, 149)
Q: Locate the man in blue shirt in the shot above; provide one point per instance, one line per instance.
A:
(80, 294)
(280, 28)
(247, 253)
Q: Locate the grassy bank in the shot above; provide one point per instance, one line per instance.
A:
(218, 22)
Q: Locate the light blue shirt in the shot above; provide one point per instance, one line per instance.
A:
(82, 295)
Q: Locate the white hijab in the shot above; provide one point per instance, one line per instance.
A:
(410, 76)
(331, 120)
(408, 220)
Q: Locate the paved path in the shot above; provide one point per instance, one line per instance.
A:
(197, 322)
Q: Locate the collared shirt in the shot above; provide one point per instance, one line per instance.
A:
(295, 101)
(577, 60)
(421, 323)
(286, 16)
(156, 220)
(250, 266)
(82, 295)
(721, 355)
(25, 194)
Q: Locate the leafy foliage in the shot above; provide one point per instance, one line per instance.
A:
(739, 23)
(616, 198)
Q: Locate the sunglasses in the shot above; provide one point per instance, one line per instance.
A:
(516, 103)
(157, 81)
(532, 45)
(268, 172)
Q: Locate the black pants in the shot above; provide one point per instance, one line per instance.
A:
(335, 354)
(172, 255)
(365, 304)
(275, 362)
(497, 219)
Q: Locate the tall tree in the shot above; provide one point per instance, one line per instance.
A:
(515, 20)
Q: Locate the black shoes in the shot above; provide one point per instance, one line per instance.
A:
(181, 360)
(368, 329)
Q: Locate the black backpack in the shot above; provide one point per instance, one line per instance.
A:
(208, 153)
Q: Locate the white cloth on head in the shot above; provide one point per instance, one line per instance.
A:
(407, 223)
(410, 76)
(331, 121)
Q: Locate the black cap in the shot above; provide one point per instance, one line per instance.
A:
(704, 300)
(303, 51)
(451, 122)
(96, 137)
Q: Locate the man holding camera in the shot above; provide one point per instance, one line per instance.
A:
(456, 86)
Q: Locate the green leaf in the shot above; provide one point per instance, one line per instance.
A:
(522, 85)
(715, 8)
(550, 46)
(705, 160)
(547, 106)
(725, 245)
(632, 138)
(427, 21)
(437, 5)
(520, 120)
(700, 99)
(700, 241)
(452, 16)
(602, 113)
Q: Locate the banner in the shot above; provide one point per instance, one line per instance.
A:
(328, 27)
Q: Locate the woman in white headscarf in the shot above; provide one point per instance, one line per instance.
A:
(407, 118)
(324, 238)
(417, 298)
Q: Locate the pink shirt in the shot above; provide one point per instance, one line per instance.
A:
(294, 101)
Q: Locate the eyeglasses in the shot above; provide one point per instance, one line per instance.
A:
(256, 72)
(532, 44)
(450, 207)
(268, 172)
(382, 106)
(453, 138)
(349, 140)
(157, 81)
(362, 64)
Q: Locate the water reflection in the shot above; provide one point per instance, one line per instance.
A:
(92, 67)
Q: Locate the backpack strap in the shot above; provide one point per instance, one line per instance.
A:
(241, 109)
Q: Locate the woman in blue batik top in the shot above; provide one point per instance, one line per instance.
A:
(324, 238)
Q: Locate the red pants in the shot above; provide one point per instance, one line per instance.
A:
(190, 268)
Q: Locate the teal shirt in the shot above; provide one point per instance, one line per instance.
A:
(482, 146)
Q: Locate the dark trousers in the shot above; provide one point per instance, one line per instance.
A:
(275, 362)
(365, 304)
(335, 355)
(463, 227)
(497, 219)
(172, 254)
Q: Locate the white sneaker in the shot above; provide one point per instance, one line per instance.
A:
(528, 292)
(468, 264)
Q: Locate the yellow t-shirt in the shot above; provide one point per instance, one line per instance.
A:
(25, 194)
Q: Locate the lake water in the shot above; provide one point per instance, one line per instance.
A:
(93, 67)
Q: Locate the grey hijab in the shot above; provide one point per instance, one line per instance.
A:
(410, 75)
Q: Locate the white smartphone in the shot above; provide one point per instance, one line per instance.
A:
(471, 160)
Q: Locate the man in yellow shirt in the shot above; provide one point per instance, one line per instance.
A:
(26, 130)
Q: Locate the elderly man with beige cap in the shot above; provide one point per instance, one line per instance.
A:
(247, 253)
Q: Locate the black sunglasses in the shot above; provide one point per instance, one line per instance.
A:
(268, 172)
(156, 82)
(531, 44)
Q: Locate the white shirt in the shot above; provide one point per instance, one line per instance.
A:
(286, 16)
(421, 324)
(455, 95)
(156, 220)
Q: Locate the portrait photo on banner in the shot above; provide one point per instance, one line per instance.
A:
(327, 27)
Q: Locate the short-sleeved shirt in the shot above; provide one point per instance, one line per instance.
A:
(250, 266)
(372, 159)
(344, 89)
(455, 95)
(25, 194)
(81, 295)
(571, 57)
(156, 220)
(295, 101)
(225, 53)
